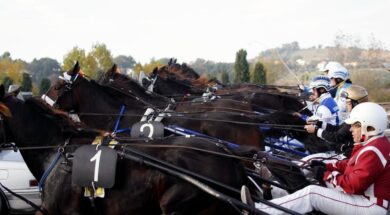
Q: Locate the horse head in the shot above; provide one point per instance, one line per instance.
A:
(66, 88)
(109, 75)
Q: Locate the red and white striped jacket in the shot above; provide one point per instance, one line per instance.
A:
(366, 173)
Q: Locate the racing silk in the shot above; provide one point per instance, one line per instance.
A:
(366, 173)
(326, 111)
(341, 102)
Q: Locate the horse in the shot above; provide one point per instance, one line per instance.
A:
(214, 118)
(138, 189)
(176, 81)
(275, 109)
(186, 78)
(283, 172)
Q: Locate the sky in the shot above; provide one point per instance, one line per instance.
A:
(185, 29)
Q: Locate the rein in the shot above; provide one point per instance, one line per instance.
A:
(181, 115)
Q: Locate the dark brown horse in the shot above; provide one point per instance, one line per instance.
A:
(138, 189)
(179, 81)
(98, 106)
(185, 75)
(275, 108)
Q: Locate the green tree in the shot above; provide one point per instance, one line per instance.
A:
(259, 75)
(124, 62)
(44, 86)
(225, 78)
(241, 67)
(7, 81)
(26, 83)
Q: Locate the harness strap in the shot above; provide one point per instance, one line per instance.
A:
(41, 183)
(122, 110)
(53, 163)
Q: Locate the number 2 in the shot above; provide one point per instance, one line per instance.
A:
(96, 158)
(151, 129)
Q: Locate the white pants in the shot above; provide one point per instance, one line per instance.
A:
(326, 200)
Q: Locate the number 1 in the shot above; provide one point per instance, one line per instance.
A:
(96, 158)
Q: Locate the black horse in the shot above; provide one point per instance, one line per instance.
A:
(138, 189)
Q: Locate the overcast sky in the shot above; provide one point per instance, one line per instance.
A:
(185, 29)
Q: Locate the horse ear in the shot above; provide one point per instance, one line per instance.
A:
(174, 61)
(170, 62)
(112, 70)
(75, 69)
(155, 70)
(2, 92)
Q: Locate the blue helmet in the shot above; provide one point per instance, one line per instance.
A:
(320, 81)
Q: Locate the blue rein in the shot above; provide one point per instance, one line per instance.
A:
(118, 120)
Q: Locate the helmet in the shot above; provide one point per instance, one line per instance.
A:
(13, 88)
(320, 81)
(336, 70)
(369, 114)
(356, 93)
(331, 65)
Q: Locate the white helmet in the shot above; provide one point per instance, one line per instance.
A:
(369, 114)
(320, 81)
(336, 70)
(330, 65)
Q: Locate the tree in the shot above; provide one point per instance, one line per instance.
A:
(44, 86)
(103, 58)
(241, 67)
(259, 75)
(5, 55)
(148, 67)
(26, 83)
(225, 78)
(73, 56)
(7, 81)
(12, 68)
(43, 68)
(93, 64)
(124, 62)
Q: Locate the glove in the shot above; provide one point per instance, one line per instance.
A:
(315, 163)
(318, 173)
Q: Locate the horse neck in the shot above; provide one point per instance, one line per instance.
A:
(99, 109)
(134, 90)
(27, 133)
(171, 88)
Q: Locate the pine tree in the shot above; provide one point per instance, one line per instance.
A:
(26, 83)
(7, 81)
(241, 67)
(225, 78)
(259, 74)
(44, 86)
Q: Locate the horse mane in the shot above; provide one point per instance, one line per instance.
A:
(58, 117)
(180, 71)
(202, 81)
